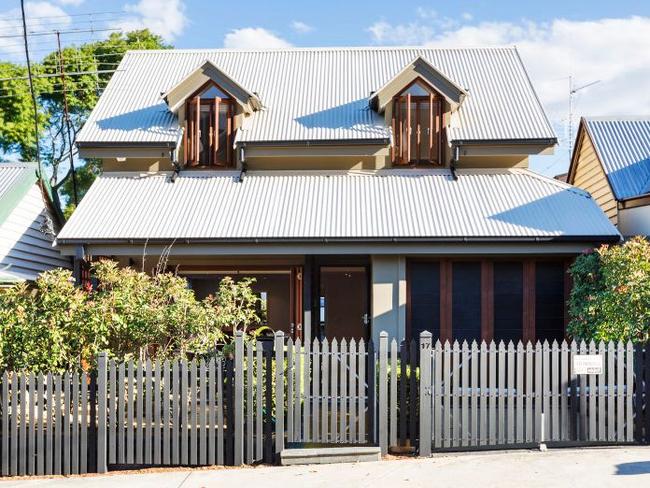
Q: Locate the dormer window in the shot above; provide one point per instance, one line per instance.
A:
(417, 125)
(209, 128)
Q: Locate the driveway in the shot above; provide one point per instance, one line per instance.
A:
(555, 468)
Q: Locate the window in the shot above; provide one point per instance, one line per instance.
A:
(209, 127)
(466, 301)
(424, 309)
(549, 300)
(417, 126)
(508, 301)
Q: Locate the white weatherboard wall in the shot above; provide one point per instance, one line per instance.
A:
(25, 250)
(634, 221)
(388, 296)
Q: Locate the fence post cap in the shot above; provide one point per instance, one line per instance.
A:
(425, 334)
(279, 333)
(383, 334)
(239, 333)
(102, 355)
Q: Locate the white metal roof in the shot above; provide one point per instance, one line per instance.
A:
(383, 204)
(623, 146)
(312, 94)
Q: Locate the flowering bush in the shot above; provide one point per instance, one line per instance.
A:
(54, 325)
(610, 298)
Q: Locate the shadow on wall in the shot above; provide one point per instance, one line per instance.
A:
(634, 468)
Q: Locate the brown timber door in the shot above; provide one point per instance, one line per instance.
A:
(343, 302)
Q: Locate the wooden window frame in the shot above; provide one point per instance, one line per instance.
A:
(401, 150)
(191, 134)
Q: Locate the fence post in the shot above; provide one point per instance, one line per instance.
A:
(102, 368)
(279, 393)
(425, 393)
(383, 392)
(238, 458)
(372, 393)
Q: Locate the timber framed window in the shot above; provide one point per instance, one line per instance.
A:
(209, 129)
(417, 126)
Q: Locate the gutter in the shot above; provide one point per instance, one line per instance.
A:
(523, 142)
(319, 142)
(328, 240)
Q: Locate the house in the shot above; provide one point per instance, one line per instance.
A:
(611, 160)
(365, 189)
(28, 224)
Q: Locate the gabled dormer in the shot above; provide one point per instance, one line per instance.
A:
(209, 105)
(417, 103)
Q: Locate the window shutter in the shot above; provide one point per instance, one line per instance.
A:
(408, 128)
(215, 128)
(395, 135)
(228, 136)
(432, 129)
(196, 102)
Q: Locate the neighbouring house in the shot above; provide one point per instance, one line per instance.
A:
(28, 224)
(611, 160)
(365, 189)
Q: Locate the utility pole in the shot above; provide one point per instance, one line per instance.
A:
(31, 89)
(66, 116)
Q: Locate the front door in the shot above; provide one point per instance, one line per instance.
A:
(343, 302)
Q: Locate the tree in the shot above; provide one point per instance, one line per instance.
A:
(610, 298)
(90, 66)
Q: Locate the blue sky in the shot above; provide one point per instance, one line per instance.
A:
(596, 40)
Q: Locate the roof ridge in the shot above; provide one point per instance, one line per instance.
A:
(507, 47)
(552, 181)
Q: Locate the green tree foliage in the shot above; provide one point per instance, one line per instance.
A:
(610, 298)
(83, 88)
(55, 325)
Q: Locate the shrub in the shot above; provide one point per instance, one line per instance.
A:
(610, 298)
(54, 325)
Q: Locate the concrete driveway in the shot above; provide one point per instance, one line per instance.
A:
(594, 468)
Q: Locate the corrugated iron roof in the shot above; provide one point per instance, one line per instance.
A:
(12, 174)
(623, 146)
(355, 205)
(314, 94)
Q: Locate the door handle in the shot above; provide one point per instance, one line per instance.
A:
(366, 319)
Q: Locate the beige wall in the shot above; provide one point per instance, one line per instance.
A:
(589, 176)
(388, 305)
(137, 164)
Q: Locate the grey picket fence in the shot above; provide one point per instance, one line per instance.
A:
(497, 395)
(48, 424)
(246, 407)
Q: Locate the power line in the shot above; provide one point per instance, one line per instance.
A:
(57, 75)
(31, 88)
(72, 15)
(52, 33)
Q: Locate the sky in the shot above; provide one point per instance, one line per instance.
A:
(590, 41)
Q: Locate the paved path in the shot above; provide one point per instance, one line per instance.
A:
(593, 468)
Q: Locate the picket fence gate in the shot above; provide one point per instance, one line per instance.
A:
(246, 407)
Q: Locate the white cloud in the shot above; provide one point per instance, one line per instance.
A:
(253, 38)
(301, 27)
(163, 17)
(615, 51)
(40, 16)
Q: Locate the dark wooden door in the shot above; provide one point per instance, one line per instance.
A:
(343, 310)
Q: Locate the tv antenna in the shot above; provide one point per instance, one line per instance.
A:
(572, 91)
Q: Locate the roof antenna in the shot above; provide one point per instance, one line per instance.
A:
(572, 91)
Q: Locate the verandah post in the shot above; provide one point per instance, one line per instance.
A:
(102, 368)
(238, 458)
(425, 393)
